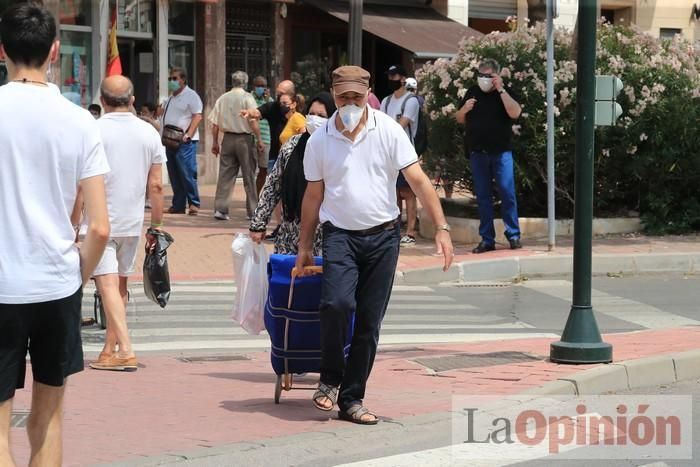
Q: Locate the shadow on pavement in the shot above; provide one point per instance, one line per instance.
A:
(292, 409)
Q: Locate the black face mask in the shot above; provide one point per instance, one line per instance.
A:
(284, 109)
(395, 85)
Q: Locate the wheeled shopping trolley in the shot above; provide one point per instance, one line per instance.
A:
(292, 320)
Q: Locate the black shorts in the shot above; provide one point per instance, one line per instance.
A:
(401, 181)
(50, 331)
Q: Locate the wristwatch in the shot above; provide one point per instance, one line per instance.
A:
(445, 227)
(502, 91)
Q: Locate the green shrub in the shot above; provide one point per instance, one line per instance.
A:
(646, 163)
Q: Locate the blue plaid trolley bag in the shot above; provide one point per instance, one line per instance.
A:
(292, 320)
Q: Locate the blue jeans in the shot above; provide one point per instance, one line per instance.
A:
(358, 273)
(485, 169)
(182, 170)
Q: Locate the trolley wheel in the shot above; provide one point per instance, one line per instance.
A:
(278, 389)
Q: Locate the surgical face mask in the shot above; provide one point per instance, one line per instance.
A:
(351, 115)
(259, 91)
(485, 84)
(394, 84)
(173, 86)
(313, 122)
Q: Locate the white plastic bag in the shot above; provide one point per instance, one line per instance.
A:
(250, 270)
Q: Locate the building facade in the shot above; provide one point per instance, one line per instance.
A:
(660, 18)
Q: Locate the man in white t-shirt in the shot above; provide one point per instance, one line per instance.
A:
(135, 156)
(183, 109)
(351, 165)
(50, 147)
(404, 107)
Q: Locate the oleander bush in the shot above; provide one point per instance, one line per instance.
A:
(647, 163)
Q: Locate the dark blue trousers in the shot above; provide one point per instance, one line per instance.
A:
(182, 171)
(485, 169)
(358, 274)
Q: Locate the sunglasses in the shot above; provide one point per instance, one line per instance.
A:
(484, 75)
(173, 78)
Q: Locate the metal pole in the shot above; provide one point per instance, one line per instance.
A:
(581, 341)
(355, 33)
(551, 225)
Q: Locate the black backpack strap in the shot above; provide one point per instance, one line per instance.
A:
(386, 104)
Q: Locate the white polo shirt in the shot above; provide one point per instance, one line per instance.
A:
(359, 176)
(178, 110)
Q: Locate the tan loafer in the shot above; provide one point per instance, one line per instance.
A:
(115, 363)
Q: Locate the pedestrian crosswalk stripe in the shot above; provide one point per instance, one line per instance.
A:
(617, 307)
(423, 306)
(229, 328)
(230, 286)
(262, 342)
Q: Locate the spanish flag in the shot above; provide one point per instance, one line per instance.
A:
(114, 63)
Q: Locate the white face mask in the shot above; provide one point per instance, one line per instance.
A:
(485, 84)
(313, 122)
(351, 115)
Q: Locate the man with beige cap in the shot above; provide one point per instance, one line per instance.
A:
(351, 164)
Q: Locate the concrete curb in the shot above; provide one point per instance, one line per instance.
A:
(626, 375)
(508, 269)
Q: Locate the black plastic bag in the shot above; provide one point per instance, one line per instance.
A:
(156, 278)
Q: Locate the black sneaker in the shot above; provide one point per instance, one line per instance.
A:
(515, 243)
(483, 247)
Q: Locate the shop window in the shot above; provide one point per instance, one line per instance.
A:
(75, 67)
(181, 55)
(315, 55)
(75, 12)
(181, 18)
(669, 33)
(135, 15)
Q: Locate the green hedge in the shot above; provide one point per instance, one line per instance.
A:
(648, 163)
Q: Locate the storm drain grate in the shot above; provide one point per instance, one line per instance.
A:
(470, 360)
(399, 349)
(19, 418)
(492, 285)
(213, 358)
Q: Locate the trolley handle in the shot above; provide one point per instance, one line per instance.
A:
(295, 272)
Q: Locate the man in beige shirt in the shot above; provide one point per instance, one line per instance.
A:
(237, 149)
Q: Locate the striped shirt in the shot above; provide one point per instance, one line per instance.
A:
(264, 126)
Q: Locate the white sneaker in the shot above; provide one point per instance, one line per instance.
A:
(220, 216)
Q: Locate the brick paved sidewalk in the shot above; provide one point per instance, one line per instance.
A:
(202, 244)
(169, 406)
